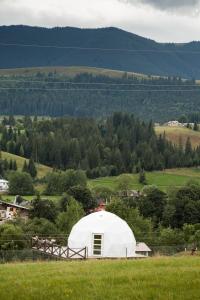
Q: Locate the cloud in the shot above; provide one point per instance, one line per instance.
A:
(155, 21)
(168, 4)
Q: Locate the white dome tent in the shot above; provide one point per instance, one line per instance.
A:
(105, 235)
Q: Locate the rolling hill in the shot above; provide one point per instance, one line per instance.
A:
(83, 47)
(175, 134)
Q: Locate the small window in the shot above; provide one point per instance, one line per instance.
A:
(97, 244)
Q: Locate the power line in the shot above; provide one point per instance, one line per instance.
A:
(99, 83)
(97, 90)
(102, 49)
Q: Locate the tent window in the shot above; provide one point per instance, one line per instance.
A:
(97, 244)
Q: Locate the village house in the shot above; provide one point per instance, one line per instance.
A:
(9, 211)
(4, 186)
(174, 124)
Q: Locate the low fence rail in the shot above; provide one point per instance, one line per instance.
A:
(49, 247)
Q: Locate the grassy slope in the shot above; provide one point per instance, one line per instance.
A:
(164, 180)
(151, 279)
(42, 170)
(69, 71)
(174, 134)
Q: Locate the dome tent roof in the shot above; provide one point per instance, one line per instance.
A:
(117, 237)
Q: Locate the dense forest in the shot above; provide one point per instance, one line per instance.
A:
(141, 55)
(87, 95)
(107, 147)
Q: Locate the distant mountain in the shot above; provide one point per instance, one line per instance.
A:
(155, 58)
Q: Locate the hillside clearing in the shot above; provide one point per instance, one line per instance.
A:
(42, 170)
(151, 279)
(174, 134)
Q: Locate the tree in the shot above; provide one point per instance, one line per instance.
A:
(66, 220)
(25, 167)
(32, 168)
(152, 203)
(40, 227)
(124, 183)
(142, 177)
(43, 208)
(196, 127)
(58, 183)
(21, 151)
(73, 178)
(14, 165)
(83, 195)
(20, 183)
(11, 237)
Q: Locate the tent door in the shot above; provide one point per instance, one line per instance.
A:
(97, 244)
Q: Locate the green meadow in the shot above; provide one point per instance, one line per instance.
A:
(164, 180)
(150, 279)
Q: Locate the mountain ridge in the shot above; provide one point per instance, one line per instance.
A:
(162, 59)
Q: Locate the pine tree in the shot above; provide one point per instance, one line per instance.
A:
(21, 151)
(25, 167)
(195, 128)
(14, 165)
(11, 165)
(32, 168)
(142, 177)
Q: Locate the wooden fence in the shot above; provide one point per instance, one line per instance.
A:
(49, 247)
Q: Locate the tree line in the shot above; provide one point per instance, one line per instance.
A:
(109, 146)
(87, 95)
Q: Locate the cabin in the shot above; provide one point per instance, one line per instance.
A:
(9, 211)
(142, 249)
(105, 235)
(4, 186)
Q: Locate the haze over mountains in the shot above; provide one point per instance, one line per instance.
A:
(152, 57)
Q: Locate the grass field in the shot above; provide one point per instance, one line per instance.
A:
(150, 279)
(175, 133)
(164, 180)
(70, 71)
(42, 170)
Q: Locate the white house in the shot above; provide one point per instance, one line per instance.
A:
(4, 185)
(105, 235)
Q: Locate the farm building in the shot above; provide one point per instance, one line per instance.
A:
(142, 249)
(105, 235)
(4, 185)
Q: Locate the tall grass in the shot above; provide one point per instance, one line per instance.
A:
(150, 279)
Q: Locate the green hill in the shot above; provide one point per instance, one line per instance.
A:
(41, 169)
(174, 134)
(159, 278)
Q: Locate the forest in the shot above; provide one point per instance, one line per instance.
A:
(108, 146)
(86, 95)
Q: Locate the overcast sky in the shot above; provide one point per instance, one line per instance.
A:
(162, 20)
